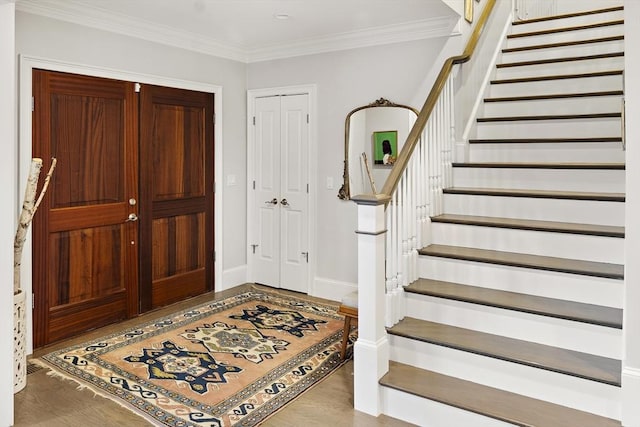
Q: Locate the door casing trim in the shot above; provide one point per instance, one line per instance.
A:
(26, 65)
(252, 94)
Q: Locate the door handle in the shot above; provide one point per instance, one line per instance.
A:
(284, 202)
(132, 217)
(273, 201)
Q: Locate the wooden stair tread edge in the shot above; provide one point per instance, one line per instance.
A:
(614, 139)
(563, 44)
(554, 96)
(532, 304)
(488, 401)
(542, 165)
(568, 15)
(539, 194)
(561, 59)
(558, 77)
(566, 29)
(550, 117)
(538, 262)
(535, 225)
(554, 359)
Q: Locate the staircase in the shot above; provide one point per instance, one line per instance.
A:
(516, 318)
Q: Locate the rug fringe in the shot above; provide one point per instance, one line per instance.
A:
(54, 373)
(302, 297)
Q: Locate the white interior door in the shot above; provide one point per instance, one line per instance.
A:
(281, 195)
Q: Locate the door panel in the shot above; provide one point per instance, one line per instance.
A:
(281, 172)
(267, 191)
(176, 195)
(85, 252)
(294, 214)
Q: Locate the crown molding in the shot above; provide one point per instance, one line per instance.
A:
(77, 13)
(405, 32)
(93, 17)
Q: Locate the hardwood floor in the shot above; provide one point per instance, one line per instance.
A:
(53, 402)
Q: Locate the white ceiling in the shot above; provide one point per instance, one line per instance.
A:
(248, 30)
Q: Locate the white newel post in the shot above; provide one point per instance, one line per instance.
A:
(371, 350)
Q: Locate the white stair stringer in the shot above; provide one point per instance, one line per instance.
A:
(537, 178)
(545, 209)
(565, 286)
(573, 335)
(589, 396)
(560, 245)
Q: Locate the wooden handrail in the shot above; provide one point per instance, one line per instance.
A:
(414, 135)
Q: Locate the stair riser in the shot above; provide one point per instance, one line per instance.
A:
(564, 286)
(567, 128)
(569, 22)
(561, 245)
(577, 211)
(560, 68)
(576, 35)
(546, 87)
(541, 179)
(577, 105)
(598, 340)
(547, 152)
(564, 51)
(577, 393)
(424, 412)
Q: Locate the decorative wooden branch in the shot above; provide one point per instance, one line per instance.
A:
(366, 165)
(29, 207)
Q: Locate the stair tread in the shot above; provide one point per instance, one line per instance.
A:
(554, 96)
(492, 402)
(536, 225)
(566, 29)
(582, 365)
(507, 192)
(549, 117)
(538, 262)
(562, 59)
(561, 309)
(558, 77)
(542, 165)
(563, 44)
(543, 140)
(568, 15)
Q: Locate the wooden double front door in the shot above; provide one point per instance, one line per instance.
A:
(127, 223)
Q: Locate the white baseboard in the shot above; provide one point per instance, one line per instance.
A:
(630, 393)
(233, 277)
(331, 289)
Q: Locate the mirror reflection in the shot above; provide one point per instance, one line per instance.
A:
(374, 135)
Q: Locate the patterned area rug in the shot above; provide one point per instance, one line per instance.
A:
(232, 362)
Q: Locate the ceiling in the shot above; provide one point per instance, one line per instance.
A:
(255, 30)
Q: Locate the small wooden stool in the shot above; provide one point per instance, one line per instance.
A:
(349, 309)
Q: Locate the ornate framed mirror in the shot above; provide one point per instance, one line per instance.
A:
(373, 137)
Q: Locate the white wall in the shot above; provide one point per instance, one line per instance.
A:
(52, 39)
(8, 209)
(346, 80)
(631, 362)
